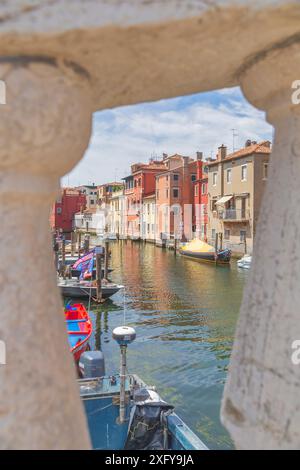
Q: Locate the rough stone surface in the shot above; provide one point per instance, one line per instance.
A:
(62, 59)
(137, 50)
(261, 405)
(44, 129)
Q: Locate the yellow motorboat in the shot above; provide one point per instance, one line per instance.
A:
(201, 251)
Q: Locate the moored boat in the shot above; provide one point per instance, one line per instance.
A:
(201, 251)
(123, 413)
(76, 288)
(79, 328)
(245, 262)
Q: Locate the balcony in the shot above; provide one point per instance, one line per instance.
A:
(234, 215)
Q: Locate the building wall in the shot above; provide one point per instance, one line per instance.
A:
(149, 219)
(64, 209)
(236, 219)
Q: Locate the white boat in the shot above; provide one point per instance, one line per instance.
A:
(245, 262)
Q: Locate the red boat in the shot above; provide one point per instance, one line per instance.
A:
(79, 328)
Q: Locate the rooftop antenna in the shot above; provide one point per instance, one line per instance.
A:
(234, 135)
(124, 335)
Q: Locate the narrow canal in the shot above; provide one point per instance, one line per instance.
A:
(184, 314)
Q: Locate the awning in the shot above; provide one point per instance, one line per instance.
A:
(224, 199)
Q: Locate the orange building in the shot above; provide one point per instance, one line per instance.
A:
(175, 198)
(140, 184)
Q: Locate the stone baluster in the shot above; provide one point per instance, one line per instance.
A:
(44, 130)
(261, 404)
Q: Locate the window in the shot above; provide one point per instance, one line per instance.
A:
(196, 190)
(58, 210)
(244, 172)
(203, 188)
(193, 177)
(157, 194)
(265, 171)
(227, 234)
(215, 179)
(167, 178)
(148, 228)
(228, 175)
(213, 233)
(167, 193)
(175, 192)
(242, 235)
(175, 177)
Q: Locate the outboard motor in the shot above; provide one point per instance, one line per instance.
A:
(91, 364)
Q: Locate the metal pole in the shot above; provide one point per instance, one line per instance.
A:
(122, 382)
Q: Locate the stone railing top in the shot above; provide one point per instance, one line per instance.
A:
(137, 50)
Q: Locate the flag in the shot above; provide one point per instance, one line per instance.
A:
(85, 265)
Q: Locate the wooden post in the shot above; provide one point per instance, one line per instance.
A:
(221, 241)
(98, 277)
(86, 243)
(79, 244)
(63, 255)
(175, 245)
(106, 258)
(216, 242)
(245, 244)
(72, 243)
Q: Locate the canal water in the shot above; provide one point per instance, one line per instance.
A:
(184, 314)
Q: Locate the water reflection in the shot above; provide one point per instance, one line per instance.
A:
(184, 313)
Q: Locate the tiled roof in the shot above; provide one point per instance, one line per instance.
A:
(261, 147)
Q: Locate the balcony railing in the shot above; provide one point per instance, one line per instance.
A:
(233, 214)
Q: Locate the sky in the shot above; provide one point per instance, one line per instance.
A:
(184, 125)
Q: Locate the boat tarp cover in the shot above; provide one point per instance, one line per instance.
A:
(198, 246)
(147, 427)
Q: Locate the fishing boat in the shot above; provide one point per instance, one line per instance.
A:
(79, 328)
(201, 251)
(77, 288)
(123, 413)
(245, 262)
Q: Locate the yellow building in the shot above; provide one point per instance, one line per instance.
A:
(236, 183)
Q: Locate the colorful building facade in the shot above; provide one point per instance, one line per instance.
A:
(175, 198)
(236, 184)
(64, 209)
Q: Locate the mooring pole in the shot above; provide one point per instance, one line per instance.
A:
(63, 255)
(72, 243)
(216, 247)
(106, 258)
(221, 241)
(98, 277)
(79, 244)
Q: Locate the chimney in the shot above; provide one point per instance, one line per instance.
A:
(267, 143)
(222, 152)
(165, 155)
(199, 155)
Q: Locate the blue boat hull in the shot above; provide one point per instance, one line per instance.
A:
(101, 402)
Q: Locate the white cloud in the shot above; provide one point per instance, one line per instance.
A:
(184, 125)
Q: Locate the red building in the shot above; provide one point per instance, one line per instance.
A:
(64, 209)
(200, 215)
(140, 184)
